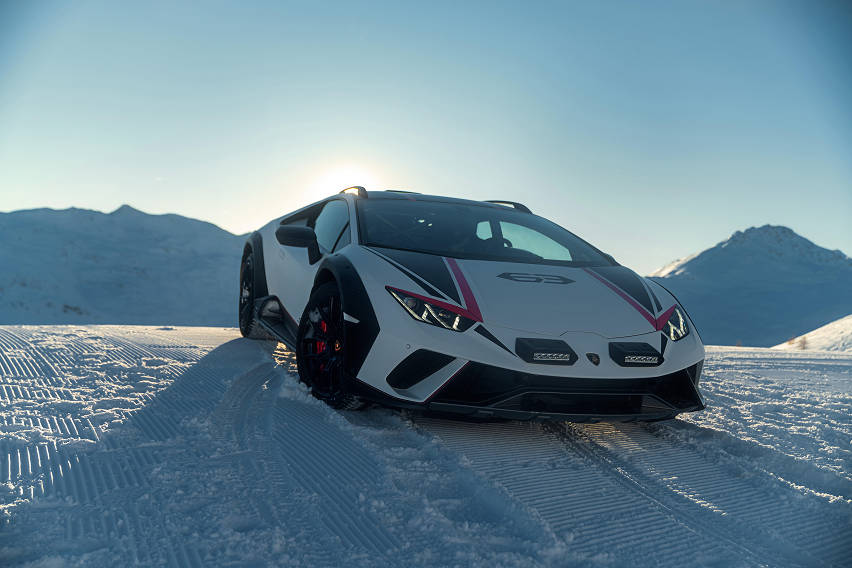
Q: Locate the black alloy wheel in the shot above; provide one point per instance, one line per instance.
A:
(321, 348)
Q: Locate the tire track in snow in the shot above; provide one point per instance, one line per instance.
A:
(739, 506)
(595, 484)
(318, 459)
(576, 497)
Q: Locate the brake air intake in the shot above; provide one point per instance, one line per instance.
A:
(416, 367)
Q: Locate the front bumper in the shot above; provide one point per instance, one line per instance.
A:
(484, 391)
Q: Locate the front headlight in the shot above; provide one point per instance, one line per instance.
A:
(431, 312)
(676, 328)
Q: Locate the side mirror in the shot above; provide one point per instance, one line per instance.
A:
(610, 258)
(291, 236)
(304, 237)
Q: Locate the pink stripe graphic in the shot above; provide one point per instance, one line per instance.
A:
(467, 294)
(661, 321)
(656, 323)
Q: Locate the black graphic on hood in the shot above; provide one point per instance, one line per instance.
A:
(480, 329)
(428, 267)
(627, 280)
(431, 291)
(656, 300)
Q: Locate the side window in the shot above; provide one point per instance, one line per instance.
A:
(531, 240)
(483, 230)
(331, 221)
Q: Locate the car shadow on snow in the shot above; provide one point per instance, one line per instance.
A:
(235, 461)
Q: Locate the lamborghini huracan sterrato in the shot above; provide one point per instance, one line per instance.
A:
(478, 308)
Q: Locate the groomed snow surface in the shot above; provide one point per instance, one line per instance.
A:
(193, 447)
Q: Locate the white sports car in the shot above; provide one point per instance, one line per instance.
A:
(478, 308)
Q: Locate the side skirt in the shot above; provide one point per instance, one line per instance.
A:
(276, 321)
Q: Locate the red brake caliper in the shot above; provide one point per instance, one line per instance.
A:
(319, 344)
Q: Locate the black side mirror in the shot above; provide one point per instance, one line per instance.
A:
(292, 236)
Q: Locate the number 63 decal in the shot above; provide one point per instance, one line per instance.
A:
(540, 278)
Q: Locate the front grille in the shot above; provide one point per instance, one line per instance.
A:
(487, 386)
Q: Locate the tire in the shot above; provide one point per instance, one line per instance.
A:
(249, 326)
(321, 349)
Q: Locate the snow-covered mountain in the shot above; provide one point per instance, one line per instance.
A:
(761, 287)
(835, 336)
(125, 267)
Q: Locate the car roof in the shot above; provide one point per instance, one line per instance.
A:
(412, 196)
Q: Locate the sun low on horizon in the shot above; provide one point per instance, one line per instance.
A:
(339, 177)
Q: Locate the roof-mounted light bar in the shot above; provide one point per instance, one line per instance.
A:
(514, 204)
(357, 189)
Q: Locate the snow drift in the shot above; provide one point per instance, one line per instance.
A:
(836, 336)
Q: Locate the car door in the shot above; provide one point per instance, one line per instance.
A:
(293, 285)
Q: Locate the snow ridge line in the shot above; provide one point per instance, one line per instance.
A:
(734, 508)
(23, 342)
(579, 501)
(305, 437)
(580, 442)
(80, 480)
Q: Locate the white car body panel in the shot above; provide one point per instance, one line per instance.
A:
(401, 335)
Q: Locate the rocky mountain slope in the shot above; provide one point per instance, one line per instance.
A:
(125, 267)
(761, 287)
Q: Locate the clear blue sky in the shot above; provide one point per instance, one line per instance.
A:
(653, 129)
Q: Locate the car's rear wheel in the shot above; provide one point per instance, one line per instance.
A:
(247, 316)
(320, 349)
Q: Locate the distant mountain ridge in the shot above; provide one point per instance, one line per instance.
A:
(125, 267)
(761, 287)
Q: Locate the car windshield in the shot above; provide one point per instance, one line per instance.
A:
(471, 231)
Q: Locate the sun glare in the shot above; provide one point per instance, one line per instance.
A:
(340, 177)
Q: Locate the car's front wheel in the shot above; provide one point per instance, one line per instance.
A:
(320, 348)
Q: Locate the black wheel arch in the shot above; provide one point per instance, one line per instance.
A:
(359, 336)
(255, 245)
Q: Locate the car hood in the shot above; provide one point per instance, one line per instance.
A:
(612, 301)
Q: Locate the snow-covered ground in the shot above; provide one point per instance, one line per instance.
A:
(835, 336)
(193, 447)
